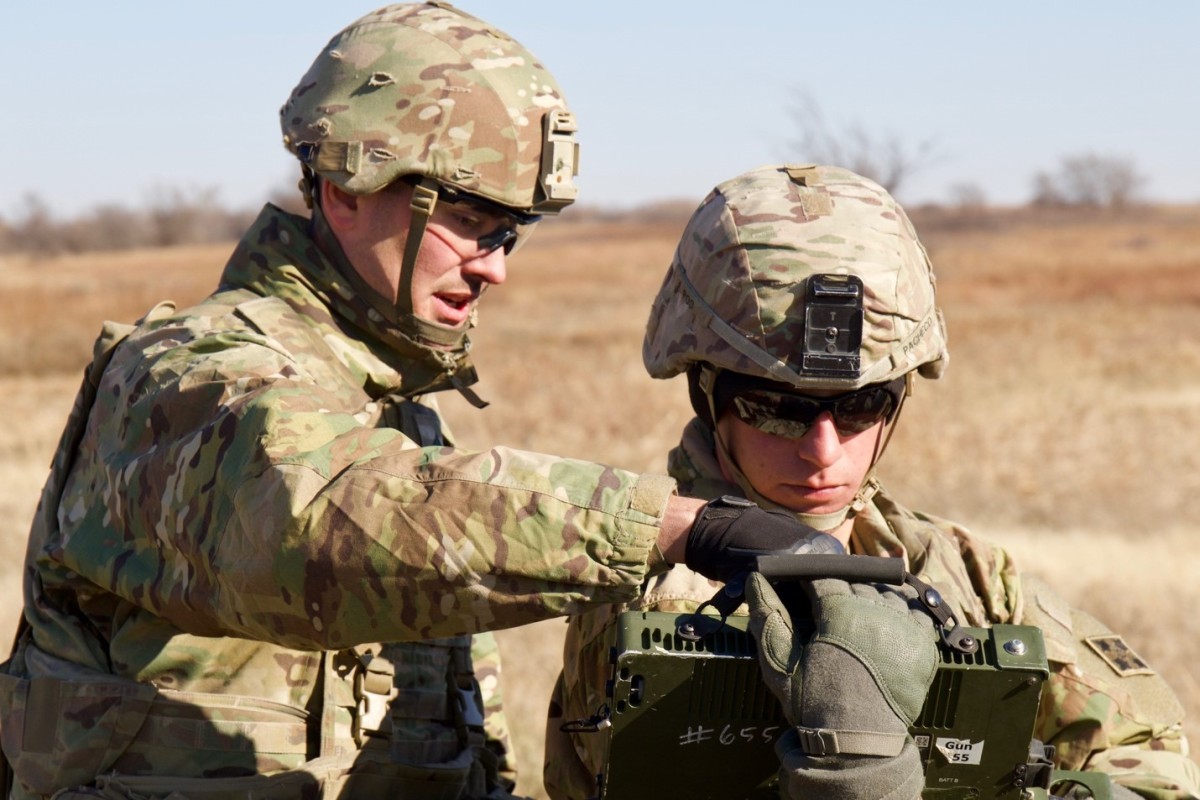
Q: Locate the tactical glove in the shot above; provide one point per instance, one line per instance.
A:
(851, 691)
(730, 532)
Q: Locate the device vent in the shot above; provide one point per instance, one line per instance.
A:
(725, 642)
(981, 656)
(731, 690)
(941, 702)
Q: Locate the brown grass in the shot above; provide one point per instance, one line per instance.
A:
(1064, 427)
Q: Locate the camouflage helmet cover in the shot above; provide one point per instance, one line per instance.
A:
(734, 295)
(424, 89)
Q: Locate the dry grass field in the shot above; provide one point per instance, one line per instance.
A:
(1066, 426)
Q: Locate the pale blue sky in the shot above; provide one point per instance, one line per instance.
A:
(107, 102)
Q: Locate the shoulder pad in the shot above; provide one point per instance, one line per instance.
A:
(1046, 609)
(1097, 657)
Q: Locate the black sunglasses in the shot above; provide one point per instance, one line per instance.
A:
(511, 227)
(786, 413)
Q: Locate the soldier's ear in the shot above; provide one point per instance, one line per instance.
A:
(339, 207)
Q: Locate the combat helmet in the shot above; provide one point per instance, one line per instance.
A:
(425, 89)
(740, 294)
(807, 276)
(428, 93)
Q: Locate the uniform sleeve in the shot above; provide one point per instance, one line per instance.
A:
(223, 488)
(1104, 708)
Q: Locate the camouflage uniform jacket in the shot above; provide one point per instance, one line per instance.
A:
(1097, 715)
(240, 517)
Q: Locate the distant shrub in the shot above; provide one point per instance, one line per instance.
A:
(1089, 180)
(171, 217)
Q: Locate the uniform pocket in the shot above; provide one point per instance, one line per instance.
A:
(194, 734)
(355, 776)
(60, 732)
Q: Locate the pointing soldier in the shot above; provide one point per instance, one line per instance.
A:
(259, 559)
(800, 306)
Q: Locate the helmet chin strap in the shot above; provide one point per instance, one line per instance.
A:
(424, 201)
(447, 347)
(826, 523)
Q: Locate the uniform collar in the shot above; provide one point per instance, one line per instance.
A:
(285, 256)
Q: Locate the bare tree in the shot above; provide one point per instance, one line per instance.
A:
(35, 231)
(192, 216)
(1046, 191)
(1089, 180)
(171, 217)
(884, 157)
(109, 226)
(968, 197)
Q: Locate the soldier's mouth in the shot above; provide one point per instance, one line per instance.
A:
(453, 308)
(817, 495)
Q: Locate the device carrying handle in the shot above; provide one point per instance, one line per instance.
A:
(853, 569)
(868, 569)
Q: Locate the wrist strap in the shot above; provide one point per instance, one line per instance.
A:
(824, 742)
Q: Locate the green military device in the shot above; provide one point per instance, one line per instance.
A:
(688, 715)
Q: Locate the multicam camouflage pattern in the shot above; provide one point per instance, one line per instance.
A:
(485, 657)
(424, 89)
(250, 507)
(1129, 727)
(734, 295)
(1102, 716)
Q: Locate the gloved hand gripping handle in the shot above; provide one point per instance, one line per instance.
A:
(783, 567)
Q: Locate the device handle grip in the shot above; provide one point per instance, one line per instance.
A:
(806, 566)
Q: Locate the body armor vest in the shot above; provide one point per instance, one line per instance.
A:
(388, 720)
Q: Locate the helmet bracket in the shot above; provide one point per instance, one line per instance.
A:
(833, 324)
(560, 162)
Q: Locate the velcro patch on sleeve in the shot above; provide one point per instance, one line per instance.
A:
(1118, 655)
(650, 494)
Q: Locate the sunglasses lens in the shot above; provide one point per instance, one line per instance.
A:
(503, 237)
(777, 413)
(793, 415)
(513, 229)
(859, 411)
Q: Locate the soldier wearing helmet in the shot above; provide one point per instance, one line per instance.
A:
(260, 566)
(801, 308)
(463, 131)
